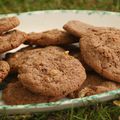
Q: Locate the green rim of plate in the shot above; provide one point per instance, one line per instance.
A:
(85, 100)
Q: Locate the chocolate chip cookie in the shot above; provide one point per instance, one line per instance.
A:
(52, 73)
(51, 37)
(4, 70)
(94, 84)
(9, 23)
(15, 94)
(11, 40)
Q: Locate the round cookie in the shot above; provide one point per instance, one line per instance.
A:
(101, 51)
(94, 84)
(9, 23)
(15, 94)
(4, 70)
(11, 40)
(52, 73)
(17, 59)
(78, 28)
(51, 37)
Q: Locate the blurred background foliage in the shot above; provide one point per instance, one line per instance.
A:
(10, 6)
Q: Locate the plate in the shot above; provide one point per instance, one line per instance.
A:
(44, 20)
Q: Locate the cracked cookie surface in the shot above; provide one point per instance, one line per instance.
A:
(52, 73)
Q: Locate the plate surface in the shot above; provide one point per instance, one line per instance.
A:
(45, 20)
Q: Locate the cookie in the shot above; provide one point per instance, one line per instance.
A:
(94, 84)
(51, 37)
(17, 59)
(11, 40)
(15, 94)
(52, 73)
(78, 28)
(4, 70)
(9, 23)
(101, 51)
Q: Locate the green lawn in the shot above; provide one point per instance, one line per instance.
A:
(8, 6)
(104, 111)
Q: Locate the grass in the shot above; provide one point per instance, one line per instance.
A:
(7, 6)
(103, 111)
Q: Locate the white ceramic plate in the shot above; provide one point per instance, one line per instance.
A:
(44, 20)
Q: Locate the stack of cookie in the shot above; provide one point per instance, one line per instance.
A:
(9, 39)
(100, 50)
(54, 66)
(44, 74)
